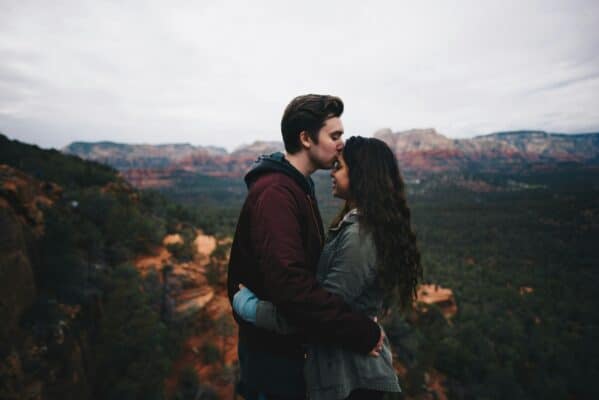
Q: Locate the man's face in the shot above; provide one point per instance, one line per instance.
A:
(330, 143)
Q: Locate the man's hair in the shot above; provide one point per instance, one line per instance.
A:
(307, 113)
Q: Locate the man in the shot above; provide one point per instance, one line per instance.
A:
(275, 252)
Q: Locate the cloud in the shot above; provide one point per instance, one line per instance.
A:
(568, 82)
(221, 72)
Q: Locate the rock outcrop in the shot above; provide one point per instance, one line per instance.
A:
(441, 297)
(22, 203)
(21, 222)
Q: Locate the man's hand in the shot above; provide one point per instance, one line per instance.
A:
(379, 346)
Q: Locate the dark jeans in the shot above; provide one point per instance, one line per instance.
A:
(358, 394)
(251, 395)
(267, 373)
(364, 394)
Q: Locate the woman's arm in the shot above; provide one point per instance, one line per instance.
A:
(267, 317)
(261, 313)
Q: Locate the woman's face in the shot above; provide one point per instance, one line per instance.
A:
(340, 178)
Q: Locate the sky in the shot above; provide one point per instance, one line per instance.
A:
(221, 72)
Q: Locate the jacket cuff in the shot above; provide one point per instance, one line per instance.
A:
(265, 315)
(366, 339)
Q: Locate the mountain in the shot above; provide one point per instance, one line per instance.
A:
(126, 156)
(252, 151)
(153, 165)
(563, 147)
(212, 177)
(418, 151)
(425, 150)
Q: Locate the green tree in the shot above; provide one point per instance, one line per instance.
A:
(132, 363)
(189, 384)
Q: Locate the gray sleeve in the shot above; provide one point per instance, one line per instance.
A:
(353, 265)
(267, 317)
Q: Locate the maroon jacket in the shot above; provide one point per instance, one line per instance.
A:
(275, 252)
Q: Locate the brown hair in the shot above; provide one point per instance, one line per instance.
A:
(378, 190)
(307, 113)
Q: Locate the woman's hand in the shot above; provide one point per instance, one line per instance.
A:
(245, 303)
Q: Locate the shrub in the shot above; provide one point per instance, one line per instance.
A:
(210, 353)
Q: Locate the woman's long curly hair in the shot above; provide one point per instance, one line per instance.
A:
(378, 191)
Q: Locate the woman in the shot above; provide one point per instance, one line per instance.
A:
(370, 259)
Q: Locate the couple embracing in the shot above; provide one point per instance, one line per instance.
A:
(307, 304)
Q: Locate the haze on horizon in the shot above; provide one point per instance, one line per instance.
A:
(220, 73)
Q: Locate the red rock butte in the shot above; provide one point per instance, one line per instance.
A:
(441, 297)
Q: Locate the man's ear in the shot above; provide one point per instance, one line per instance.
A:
(305, 140)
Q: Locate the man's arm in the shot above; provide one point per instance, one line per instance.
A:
(265, 315)
(291, 286)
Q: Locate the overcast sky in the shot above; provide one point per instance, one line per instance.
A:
(221, 72)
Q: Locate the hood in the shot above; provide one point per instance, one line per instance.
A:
(276, 162)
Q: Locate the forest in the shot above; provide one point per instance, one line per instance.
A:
(521, 259)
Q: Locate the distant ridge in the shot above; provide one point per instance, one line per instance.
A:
(526, 132)
(126, 156)
(425, 150)
(418, 151)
